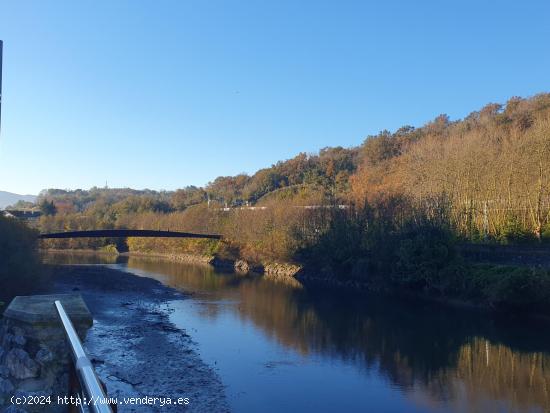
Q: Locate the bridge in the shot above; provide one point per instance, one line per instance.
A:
(126, 233)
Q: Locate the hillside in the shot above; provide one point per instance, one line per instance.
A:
(489, 173)
(8, 198)
(387, 214)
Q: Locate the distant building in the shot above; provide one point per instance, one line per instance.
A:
(23, 215)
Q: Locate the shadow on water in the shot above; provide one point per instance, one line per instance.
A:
(465, 360)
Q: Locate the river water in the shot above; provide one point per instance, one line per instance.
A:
(285, 347)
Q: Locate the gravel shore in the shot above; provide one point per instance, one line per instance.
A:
(136, 351)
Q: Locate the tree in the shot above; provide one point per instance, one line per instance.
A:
(22, 205)
(48, 207)
(380, 148)
(190, 195)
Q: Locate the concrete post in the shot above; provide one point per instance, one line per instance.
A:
(34, 354)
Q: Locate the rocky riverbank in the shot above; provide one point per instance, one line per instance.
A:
(274, 269)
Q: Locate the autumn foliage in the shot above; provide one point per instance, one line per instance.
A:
(395, 205)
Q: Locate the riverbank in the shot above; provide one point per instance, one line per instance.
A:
(136, 351)
(275, 269)
(518, 289)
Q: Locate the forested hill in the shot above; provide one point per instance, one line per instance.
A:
(490, 172)
(330, 169)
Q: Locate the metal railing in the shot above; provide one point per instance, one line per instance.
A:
(91, 391)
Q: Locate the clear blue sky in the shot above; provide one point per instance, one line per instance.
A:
(164, 94)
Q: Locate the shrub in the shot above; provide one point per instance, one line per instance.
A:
(20, 271)
(423, 252)
(513, 232)
(510, 287)
(110, 248)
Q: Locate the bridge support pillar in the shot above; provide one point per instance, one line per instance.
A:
(35, 359)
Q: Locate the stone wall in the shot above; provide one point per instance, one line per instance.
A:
(35, 358)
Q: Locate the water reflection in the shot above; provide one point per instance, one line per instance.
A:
(80, 258)
(469, 360)
(441, 359)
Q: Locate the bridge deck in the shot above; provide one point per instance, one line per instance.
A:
(125, 233)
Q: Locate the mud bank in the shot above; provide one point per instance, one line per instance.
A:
(238, 265)
(275, 269)
(136, 351)
(186, 258)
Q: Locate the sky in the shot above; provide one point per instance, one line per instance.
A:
(165, 94)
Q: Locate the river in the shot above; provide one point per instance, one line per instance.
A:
(281, 346)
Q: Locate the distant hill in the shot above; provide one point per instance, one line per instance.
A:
(8, 198)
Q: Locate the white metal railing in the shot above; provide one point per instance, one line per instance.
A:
(92, 397)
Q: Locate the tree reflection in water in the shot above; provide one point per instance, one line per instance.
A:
(470, 361)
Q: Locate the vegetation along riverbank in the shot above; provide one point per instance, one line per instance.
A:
(388, 214)
(20, 269)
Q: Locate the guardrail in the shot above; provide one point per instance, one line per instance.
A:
(91, 391)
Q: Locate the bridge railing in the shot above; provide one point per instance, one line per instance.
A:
(90, 390)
